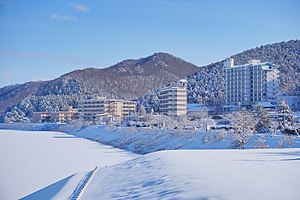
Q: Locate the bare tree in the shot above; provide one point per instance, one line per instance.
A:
(244, 126)
(260, 143)
(220, 135)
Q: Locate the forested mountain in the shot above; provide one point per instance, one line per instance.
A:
(208, 84)
(131, 79)
(128, 79)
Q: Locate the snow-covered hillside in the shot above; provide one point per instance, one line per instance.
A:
(31, 161)
(201, 174)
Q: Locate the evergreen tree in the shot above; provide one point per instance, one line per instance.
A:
(264, 123)
(286, 113)
(142, 111)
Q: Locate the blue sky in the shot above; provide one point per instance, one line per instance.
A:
(42, 39)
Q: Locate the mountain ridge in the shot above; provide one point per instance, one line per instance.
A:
(134, 78)
(128, 79)
(207, 86)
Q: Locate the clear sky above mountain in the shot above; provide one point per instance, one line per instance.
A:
(43, 39)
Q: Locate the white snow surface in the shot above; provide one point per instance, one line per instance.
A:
(49, 162)
(148, 140)
(201, 174)
(53, 163)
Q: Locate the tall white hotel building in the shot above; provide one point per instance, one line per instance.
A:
(250, 83)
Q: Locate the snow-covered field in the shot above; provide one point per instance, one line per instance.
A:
(31, 161)
(44, 165)
(202, 174)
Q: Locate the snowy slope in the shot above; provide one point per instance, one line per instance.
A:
(201, 174)
(31, 161)
(62, 189)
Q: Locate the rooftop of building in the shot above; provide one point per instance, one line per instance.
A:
(178, 84)
(95, 98)
(229, 64)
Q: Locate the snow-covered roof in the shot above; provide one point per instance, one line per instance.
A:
(248, 65)
(297, 114)
(194, 107)
(197, 107)
(265, 104)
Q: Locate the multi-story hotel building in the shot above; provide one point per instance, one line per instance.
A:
(128, 107)
(101, 109)
(61, 117)
(173, 99)
(250, 83)
(92, 109)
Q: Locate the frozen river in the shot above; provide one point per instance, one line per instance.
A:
(33, 160)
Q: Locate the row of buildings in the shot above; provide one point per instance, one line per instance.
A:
(99, 109)
(62, 117)
(94, 109)
(246, 85)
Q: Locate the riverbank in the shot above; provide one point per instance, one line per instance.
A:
(148, 140)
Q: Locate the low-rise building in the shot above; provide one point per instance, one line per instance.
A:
(93, 109)
(128, 107)
(100, 109)
(61, 117)
(173, 99)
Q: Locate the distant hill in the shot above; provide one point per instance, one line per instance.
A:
(14, 94)
(128, 79)
(131, 79)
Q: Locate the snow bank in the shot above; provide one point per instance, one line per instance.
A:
(148, 140)
(62, 189)
(201, 174)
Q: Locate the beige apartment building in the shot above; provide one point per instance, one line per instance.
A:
(173, 99)
(128, 107)
(101, 109)
(93, 109)
(61, 117)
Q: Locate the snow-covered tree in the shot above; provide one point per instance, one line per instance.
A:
(207, 137)
(264, 123)
(15, 115)
(260, 144)
(142, 111)
(198, 114)
(207, 123)
(286, 113)
(244, 126)
(286, 142)
(220, 135)
(150, 101)
(48, 103)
